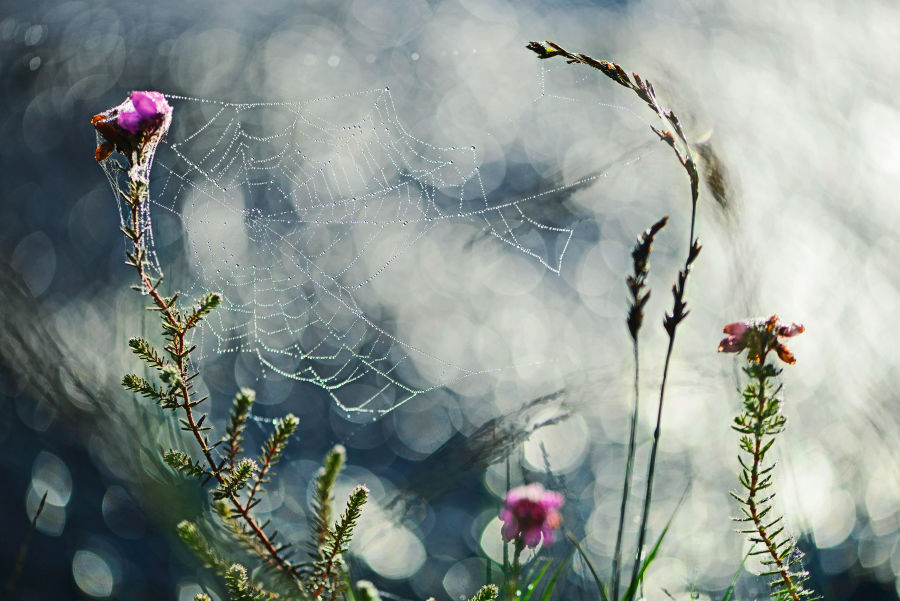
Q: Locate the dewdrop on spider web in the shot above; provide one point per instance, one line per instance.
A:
(296, 212)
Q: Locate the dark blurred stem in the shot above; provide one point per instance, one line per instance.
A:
(516, 568)
(505, 543)
(629, 469)
(694, 195)
(23, 553)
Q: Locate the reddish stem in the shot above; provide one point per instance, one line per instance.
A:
(264, 545)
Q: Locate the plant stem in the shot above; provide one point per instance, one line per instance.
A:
(652, 466)
(138, 196)
(676, 139)
(513, 590)
(755, 514)
(629, 469)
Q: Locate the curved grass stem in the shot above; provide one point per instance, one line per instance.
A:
(671, 133)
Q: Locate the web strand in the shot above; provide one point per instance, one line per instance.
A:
(292, 210)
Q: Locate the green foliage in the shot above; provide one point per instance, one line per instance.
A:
(206, 304)
(239, 586)
(181, 462)
(175, 391)
(632, 591)
(170, 376)
(759, 423)
(271, 452)
(237, 422)
(326, 581)
(601, 588)
(165, 398)
(556, 574)
(536, 581)
(236, 480)
(145, 351)
(196, 542)
(730, 591)
(488, 592)
(326, 477)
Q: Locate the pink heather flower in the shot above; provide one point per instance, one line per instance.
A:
(138, 124)
(759, 336)
(530, 512)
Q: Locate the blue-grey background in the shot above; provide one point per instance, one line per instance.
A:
(797, 99)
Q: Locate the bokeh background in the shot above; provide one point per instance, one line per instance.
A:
(797, 101)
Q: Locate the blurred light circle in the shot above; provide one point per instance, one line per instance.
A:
(35, 260)
(53, 517)
(35, 34)
(390, 549)
(491, 540)
(464, 577)
(833, 525)
(882, 497)
(121, 514)
(92, 574)
(49, 473)
(422, 428)
(566, 445)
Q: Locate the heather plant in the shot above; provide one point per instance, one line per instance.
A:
(236, 481)
(759, 423)
(134, 129)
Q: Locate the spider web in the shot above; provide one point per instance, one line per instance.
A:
(291, 210)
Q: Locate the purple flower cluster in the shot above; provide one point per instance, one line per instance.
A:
(147, 111)
(530, 513)
(759, 336)
(138, 124)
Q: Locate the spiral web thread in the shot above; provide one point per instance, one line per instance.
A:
(291, 209)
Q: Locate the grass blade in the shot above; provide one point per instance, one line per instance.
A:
(537, 580)
(633, 586)
(730, 590)
(552, 583)
(590, 566)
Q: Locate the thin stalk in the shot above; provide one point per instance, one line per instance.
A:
(755, 514)
(651, 470)
(263, 470)
(23, 552)
(670, 323)
(629, 469)
(676, 139)
(513, 587)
